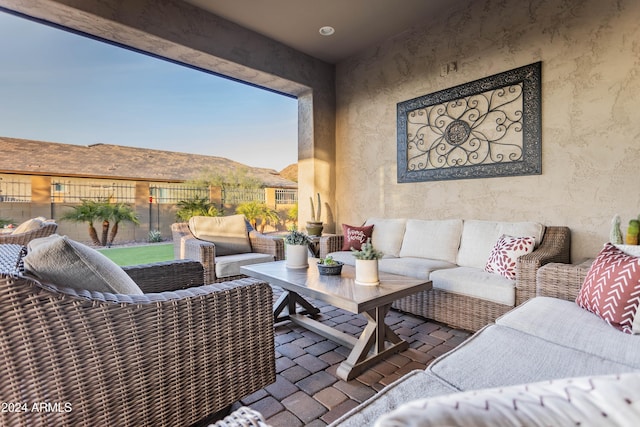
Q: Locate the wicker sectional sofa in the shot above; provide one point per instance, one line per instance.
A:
(452, 254)
(547, 362)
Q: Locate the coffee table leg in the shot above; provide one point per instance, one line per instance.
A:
(290, 300)
(373, 337)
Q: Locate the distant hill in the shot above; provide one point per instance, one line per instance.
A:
(290, 172)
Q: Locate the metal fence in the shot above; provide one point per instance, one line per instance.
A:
(15, 190)
(241, 195)
(286, 196)
(70, 192)
(174, 193)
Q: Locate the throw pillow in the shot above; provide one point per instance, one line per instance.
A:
(66, 263)
(611, 289)
(504, 256)
(355, 237)
(228, 233)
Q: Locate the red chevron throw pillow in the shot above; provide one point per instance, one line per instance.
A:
(611, 289)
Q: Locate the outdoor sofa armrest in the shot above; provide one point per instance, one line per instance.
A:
(23, 239)
(169, 358)
(167, 275)
(264, 244)
(562, 280)
(555, 247)
(330, 243)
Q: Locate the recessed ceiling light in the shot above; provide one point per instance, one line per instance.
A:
(327, 30)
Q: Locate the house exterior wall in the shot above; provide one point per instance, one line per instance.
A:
(590, 115)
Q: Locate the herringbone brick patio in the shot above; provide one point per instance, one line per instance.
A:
(307, 391)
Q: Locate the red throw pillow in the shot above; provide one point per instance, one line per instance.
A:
(611, 289)
(354, 237)
(503, 259)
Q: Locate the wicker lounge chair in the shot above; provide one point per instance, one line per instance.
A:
(169, 358)
(47, 229)
(187, 246)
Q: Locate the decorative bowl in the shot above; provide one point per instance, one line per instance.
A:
(330, 270)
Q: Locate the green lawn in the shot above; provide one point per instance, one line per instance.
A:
(139, 254)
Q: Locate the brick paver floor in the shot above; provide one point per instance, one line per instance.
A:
(307, 391)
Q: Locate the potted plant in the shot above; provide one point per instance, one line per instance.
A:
(329, 266)
(367, 264)
(296, 249)
(314, 227)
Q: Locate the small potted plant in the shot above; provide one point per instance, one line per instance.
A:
(296, 249)
(329, 266)
(367, 264)
(314, 227)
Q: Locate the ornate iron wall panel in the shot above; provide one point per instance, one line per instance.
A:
(486, 128)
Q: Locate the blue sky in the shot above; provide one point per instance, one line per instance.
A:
(61, 87)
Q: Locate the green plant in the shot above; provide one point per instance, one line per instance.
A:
(632, 232)
(615, 236)
(328, 261)
(315, 215)
(292, 214)
(296, 237)
(109, 213)
(196, 206)
(5, 221)
(155, 236)
(367, 251)
(255, 211)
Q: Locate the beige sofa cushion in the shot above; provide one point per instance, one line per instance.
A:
(387, 235)
(66, 263)
(477, 283)
(436, 239)
(479, 237)
(228, 233)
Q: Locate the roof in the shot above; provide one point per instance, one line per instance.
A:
(23, 156)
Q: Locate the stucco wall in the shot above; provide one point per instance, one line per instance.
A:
(590, 53)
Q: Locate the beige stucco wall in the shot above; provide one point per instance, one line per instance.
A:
(590, 53)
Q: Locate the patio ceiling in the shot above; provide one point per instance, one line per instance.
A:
(296, 23)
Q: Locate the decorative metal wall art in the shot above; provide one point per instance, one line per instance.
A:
(486, 128)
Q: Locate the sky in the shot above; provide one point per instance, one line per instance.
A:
(58, 86)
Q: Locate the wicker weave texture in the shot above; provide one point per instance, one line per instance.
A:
(187, 246)
(562, 280)
(167, 275)
(157, 359)
(24, 238)
(472, 313)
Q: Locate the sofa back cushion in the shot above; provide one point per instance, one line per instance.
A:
(437, 239)
(479, 237)
(228, 233)
(387, 235)
(29, 225)
(67, 263)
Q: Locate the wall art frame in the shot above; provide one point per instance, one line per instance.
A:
(490, 127)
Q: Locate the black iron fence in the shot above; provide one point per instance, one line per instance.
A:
(15, 190)
(73, 192)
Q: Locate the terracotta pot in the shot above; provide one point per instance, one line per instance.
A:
(296, 256)
(367, 272)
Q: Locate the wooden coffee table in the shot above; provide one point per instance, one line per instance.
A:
(376, 342)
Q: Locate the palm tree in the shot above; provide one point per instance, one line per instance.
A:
(197, 206)
(88, 211)
(252, 211)
(118, 213)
